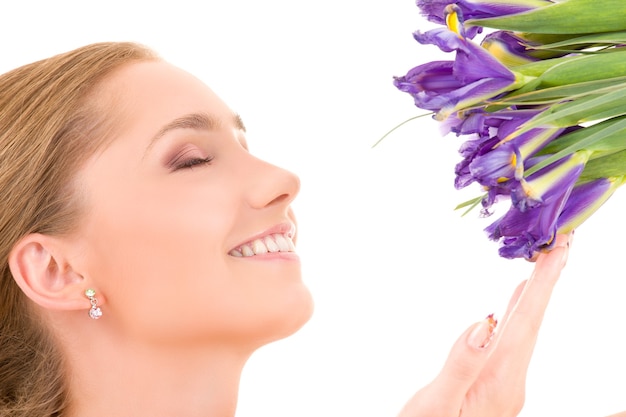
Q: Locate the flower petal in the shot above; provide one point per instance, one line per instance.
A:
(435, 10)
(447, 86)
(584, 200)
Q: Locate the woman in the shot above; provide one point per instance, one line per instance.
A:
(129, 197)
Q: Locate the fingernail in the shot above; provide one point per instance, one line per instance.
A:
(482, 334)
(567, 246)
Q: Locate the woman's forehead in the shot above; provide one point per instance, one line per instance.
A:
(157, 95)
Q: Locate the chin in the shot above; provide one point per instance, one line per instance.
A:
(289, 318)
(304, 312)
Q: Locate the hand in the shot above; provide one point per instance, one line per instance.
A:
(485, 373)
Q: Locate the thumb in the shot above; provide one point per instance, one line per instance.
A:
(465, 362)
(445, 394)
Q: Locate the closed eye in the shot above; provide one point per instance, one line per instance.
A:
(190, 163)
(189, 158)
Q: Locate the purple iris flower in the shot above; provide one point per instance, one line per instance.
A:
(509, 48)
(531, 192)
(531, 223)
(513, 49)
(469, 122)
(483, 128)
(492, 160)
(435, 10)
(470, 150)
(507, 160)
(524, 233)
(447, 86)
(584, 200)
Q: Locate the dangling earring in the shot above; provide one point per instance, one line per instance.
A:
(94, 312)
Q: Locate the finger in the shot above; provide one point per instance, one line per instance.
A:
(519, 331)
(513, 301)
(518, 291)
(465, 362)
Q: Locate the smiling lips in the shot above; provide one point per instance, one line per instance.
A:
(277, 242)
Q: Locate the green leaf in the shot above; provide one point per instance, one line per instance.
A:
(612, 110)
(536, 69)
(556, 94)
(471, 204)
(613, 165)
(398, 125)
(586, 142)
(588, 108)
(609, 38)
(571, 70)
(607, 140)
(570, 16)
(585, 68)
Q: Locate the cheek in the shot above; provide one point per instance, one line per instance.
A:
(155, 260)
(158, 254)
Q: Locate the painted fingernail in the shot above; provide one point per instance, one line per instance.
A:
(482, 334)
(567, 247)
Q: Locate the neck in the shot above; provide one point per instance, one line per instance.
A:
(113, 376)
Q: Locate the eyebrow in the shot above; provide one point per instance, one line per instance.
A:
(197, 121)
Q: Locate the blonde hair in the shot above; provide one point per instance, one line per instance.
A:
(50, 121)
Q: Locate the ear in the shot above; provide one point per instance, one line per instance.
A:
(39, 264)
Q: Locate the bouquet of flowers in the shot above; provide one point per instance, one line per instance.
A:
(538, 90)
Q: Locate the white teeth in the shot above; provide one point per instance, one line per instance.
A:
(271, 244)
(268, 244)
(282, 242)
(258, 247)
(285, 243)
(246, 250)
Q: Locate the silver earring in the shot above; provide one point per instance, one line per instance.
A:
(94, 312)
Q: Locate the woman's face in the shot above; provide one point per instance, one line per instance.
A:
(187, 237)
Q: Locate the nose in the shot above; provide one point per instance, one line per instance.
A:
(271, 185)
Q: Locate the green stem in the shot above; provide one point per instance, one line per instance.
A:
(397, 126)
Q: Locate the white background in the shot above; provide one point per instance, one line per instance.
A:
(396, 274)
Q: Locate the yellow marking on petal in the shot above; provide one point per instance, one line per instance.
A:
(501, 180)
(503, 55)
(528, 190)
(452, 20)
(518, 169)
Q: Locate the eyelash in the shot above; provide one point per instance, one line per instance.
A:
(192, 162)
